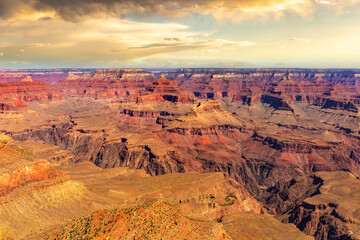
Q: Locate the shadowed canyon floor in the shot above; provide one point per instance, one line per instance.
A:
(226, 149)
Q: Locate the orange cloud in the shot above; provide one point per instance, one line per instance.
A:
(75, 9)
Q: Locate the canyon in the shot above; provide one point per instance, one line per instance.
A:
(218, 153)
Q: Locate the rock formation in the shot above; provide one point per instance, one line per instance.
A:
(44, 75)
(32, 173)
(20, 168)
(105, 83)
(208, 141)
(165, 90)
(149, 221)
(14, 95)
(324, 205)
(217, 83)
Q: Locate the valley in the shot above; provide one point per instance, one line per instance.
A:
(207, 153)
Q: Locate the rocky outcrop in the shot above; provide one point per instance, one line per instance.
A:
(248, 96)
(278, 88)
(283, 94)
(104, 83)
(94, 147)
(284, 196)
(44, 75)
(321, 221)
(165, 90)
(213, 81)
(21, 172)
(27, 90)
(32, 173)
(340, 105)
(148, 221)
(205, 114)
(277, 103)
(322, 205)
(14, 95)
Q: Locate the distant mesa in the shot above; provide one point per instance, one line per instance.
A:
(27, 79)
(106, 83)
(165, 90)
(14, 95)
(283, 94)
(248, 96)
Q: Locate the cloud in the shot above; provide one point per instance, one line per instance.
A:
(236, 10)
(75, 9)
(102, 41)
(190, 43)
(36, 45)
(325, 2)
(100, 32)
(299, 39)
(193, 62)
(213, 51)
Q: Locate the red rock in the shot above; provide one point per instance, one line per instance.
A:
(219, 83)
(318, 92)
(14, 95)
(24, 175)
(106, 83)
(148, 221)
(45, 75)
(165, 90)
(248, 96)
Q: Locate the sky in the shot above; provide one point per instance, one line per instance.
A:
(179, 33)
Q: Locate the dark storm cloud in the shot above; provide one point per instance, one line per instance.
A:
(74, 9)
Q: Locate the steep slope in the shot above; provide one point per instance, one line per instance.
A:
(325, 205)
(149, 221)
(207, 113)
(34, 211)
(30, 191)
(200, 196)
(165, 90)
(282, 94)
(220, 83)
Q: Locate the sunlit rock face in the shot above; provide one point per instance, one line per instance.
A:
(16, 95)
(165, 90)
(323, 205)
(105, 83)
(144, 221)
(219, 83)
(48, 76)
(214, 144)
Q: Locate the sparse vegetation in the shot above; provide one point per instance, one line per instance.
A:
(229, 201)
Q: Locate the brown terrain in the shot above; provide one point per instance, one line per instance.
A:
(223, 153)
(325, 205)
(149, 221)
(15, 95)
(106, 83)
